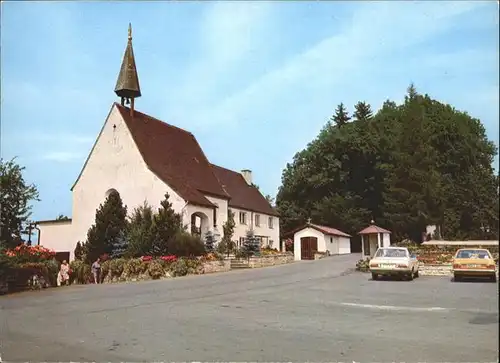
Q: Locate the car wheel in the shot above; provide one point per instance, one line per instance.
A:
(410, 276)
(374, 277)
(416, 274)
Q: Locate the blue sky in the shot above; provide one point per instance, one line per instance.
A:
(254, 81)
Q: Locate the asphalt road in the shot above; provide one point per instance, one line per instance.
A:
(306, 311)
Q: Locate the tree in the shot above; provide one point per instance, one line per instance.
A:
(16, 196)
(141, 231)
(62, 217)
(341, 117)
(363, 111)
(251, 245)
(270, 200)
(79, 251)
(107, 234)
(167, 224)
(209, 241)
(226, 245)
(414, 164)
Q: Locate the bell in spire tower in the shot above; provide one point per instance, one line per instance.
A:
(127, 85)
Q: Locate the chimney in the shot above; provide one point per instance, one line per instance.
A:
(247, 175)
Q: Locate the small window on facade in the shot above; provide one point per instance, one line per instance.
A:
(270, 222)
(243, 218)
(257, 220)
(241, 241)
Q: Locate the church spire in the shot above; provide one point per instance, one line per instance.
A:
(127, 85)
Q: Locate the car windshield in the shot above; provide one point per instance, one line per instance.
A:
(391, 252)
(473, 254)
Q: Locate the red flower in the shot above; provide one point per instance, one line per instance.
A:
(146, 258)
(170, 258)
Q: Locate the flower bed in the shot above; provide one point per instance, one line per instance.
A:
(28, 267)
(150, 268)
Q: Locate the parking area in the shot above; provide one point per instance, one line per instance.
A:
(306, 311)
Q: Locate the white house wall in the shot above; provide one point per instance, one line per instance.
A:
(222, 210)
(116, 163)
(386, 239)
(58, 236)
(307, 232)
(344, 245)
(240, 230)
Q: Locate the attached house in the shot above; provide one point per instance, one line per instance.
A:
(142, 158)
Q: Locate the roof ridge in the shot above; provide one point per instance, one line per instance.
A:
(155, 119)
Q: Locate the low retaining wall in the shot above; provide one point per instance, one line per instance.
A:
(435, 270)
(271, 260)
(216, 266)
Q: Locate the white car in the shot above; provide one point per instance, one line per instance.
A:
(394, 261)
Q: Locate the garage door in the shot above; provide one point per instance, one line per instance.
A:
(308, 245)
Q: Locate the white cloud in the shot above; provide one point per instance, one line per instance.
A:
(62, 156)
(377, 29)
(229, 33)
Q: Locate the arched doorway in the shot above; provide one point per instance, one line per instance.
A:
(199, 224)
(308, 246)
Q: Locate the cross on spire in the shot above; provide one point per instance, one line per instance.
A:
(308, 220)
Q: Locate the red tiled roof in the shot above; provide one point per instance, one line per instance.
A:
(174, 156)
(329, 230)
(243, 196)
(373, 229)
(322, 229)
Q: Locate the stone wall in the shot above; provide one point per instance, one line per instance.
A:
(216, 266)
(271, 260)
(320, 255)
(437, 270)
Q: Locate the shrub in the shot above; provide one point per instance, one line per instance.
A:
(179, 268)
(193, 265)
(116, 267)
(155, 270)
(363, 265)
(226, 246)
(184, 244)
(53, 270)
(134, 267)
(105, 269)
(81, 272)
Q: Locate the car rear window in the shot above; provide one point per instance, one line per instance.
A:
(473, 254)
(391, 252)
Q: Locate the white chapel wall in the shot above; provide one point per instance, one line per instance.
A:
(116, 163)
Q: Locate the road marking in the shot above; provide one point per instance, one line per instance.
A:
(391, 307)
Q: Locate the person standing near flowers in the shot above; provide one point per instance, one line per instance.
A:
(64, 272)
(96, 270)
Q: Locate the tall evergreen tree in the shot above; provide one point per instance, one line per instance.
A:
(251, 244)
(141, 231)
(167, 223)
(363, 111)
(341, 116)
(106, 236)
(209, 241)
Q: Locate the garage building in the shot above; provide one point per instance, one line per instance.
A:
(312, 238)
